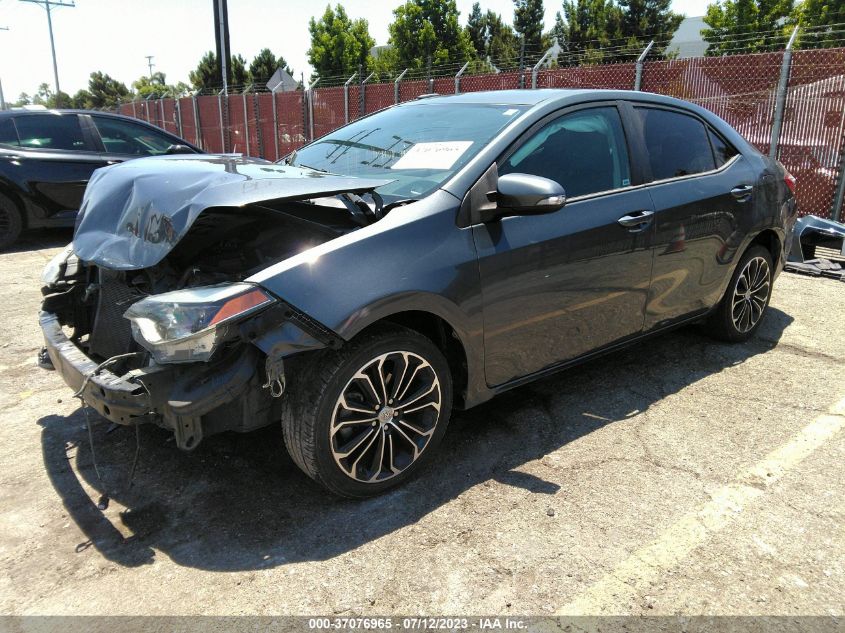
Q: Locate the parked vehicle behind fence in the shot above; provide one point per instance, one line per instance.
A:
(426, 257)
(47, 157)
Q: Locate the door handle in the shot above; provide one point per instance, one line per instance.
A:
(637, 219)
(742, 192)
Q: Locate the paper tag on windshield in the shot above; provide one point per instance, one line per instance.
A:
(441, 155)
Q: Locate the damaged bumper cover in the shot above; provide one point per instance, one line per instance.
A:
(811, 232)
(192, 399)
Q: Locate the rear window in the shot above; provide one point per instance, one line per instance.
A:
(722, 151)
(8, 136)
(50, 131)
(677, 144)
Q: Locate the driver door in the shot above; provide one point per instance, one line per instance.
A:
(561, 285)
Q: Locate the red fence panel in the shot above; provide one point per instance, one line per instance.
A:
(742, 89)
(329, 109)
(378, 96)
(189, 124)
(289, 118)
(209, 119)
(814, 126)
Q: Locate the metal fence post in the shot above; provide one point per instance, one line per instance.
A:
(220, 112)
(178, 105)
(197, 124)
(839, 196)
(638, 76)
(396, 86)
(458, 78)
(147, 107)
(161, 112)
(309, 93)
(536, 69)
(362, 95)
(346, 97)
(780, 102)
(275, 123)
(134, 111)
(246, 118)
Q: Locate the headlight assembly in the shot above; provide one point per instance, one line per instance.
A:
(185, 326)
(53, 270)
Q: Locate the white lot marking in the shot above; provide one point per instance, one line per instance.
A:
(650, 562)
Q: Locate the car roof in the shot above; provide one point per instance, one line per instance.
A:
(550, 96)
(22, 112)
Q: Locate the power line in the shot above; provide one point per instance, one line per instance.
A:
(48, 4)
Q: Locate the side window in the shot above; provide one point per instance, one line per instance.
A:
(677, 144)
(721, 149)
(584, 151)
(50, 131)
(125, 137)
(8, 135)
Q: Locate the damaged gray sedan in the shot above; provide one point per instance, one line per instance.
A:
(428, 256)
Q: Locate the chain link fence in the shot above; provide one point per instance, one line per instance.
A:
(809, 122)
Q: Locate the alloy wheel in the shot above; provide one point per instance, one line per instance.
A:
(385, 416)
(751, 294)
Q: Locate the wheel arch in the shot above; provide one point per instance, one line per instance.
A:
(8, 192)
(443, 334)
(771, 241)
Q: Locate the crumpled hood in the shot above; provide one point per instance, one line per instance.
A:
(134, 213)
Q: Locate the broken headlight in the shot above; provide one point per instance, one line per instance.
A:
(53, 270)
(186, 325)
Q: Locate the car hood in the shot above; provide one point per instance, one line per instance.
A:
(134, 213)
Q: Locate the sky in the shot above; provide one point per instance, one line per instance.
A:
(114, 36)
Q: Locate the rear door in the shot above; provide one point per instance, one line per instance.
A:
(703, 193)
(560, 285)
(57, 157)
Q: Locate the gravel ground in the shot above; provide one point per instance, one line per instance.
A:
(682, 476)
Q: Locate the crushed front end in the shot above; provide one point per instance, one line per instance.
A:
(149, 315)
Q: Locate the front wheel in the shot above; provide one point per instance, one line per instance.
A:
(364, 418)
(746, 299)
(11, 223)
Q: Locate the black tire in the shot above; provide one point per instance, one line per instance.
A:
(727, 321)
(312, 409)
(11, 222)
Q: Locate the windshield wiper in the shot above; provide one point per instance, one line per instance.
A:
(322, 171)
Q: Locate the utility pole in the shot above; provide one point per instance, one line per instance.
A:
(48, 4)
(2, 98)
(221, 35)
(150, 64)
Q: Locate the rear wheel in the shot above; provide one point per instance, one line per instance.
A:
(364, 418)
(11, 223)
(742, 308)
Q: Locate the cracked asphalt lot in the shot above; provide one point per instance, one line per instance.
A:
(682, 476)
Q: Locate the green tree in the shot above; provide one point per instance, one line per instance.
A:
(46, 97)
(207, 75)
(491, 38)
(476, 31)
(591, 25)
(745, 26)
(23, 99)
(82, 100)
(106, 91)
(429, 29)
(157, 85)
(528, 23)
(240, 75)
(644, 20)
(817, 19)
(264, 65)
(339, 45)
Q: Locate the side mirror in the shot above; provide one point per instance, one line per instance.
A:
(524, 194)
(179, 149)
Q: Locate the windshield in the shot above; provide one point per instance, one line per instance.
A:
(419, 145)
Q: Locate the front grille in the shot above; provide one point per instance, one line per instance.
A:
(112, 334)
